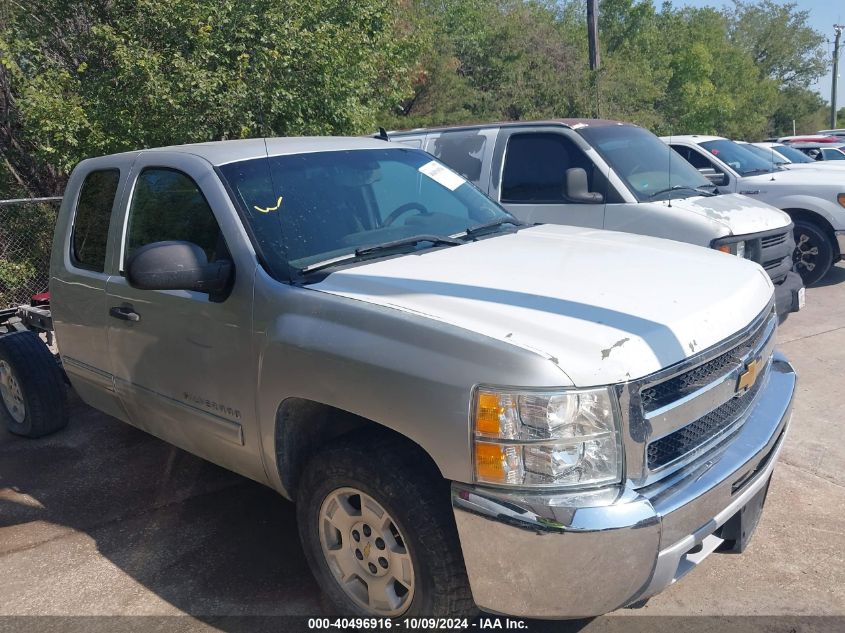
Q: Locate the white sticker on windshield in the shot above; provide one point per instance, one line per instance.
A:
(442, 175)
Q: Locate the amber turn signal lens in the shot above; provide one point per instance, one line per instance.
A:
(725, 249)
(487, 413)
(841, 199)
(491, 462)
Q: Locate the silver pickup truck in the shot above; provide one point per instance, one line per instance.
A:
(470, 412)
(617, 176)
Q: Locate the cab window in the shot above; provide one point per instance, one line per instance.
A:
(535, 168)
(168, 205)
(462, 151)
(693, 157)
(91, 223)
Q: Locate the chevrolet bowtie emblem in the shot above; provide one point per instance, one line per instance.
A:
(748, 377)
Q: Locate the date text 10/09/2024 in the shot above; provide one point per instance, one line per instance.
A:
(484, 623)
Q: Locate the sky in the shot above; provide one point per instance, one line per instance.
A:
(823, 15)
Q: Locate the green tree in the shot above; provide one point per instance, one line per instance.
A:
(780, 41)
(87, 78)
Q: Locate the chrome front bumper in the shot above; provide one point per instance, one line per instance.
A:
(584, 554)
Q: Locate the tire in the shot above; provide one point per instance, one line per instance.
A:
(418, 527)
(33, 400)
(813, 255)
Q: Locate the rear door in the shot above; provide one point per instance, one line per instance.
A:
(531, 182)
(182, 360)
(80, 268)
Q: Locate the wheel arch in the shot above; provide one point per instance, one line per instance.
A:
(303, 426)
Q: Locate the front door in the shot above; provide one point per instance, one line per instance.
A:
(535, 185)
(182, 360)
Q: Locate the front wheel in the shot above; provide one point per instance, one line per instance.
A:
(378, 532)
(813, 254)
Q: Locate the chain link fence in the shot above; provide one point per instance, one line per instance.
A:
(26, 237)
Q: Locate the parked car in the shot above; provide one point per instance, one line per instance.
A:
(838, 132)
(822, 151)
(815, 200)
(809, 138)
(468, 411)
(778, 160)
(787, 156)
(611, 175)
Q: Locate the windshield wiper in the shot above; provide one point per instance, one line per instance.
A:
(678, 187)
(365, 251)
(492, 224)
(408, 241)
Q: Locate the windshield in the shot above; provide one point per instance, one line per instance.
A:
(307, 208)
(737, 157)
(649, 167)
(765, 153)
(792, 154)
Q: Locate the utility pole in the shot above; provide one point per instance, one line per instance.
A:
(837, 28)
(593, 41)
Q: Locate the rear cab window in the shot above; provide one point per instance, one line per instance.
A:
(462, 151)
(89, 237)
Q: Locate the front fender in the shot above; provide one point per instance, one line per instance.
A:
(828, 209)
(407, 372)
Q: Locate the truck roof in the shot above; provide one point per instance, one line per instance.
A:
(570, 123)
(223, 152)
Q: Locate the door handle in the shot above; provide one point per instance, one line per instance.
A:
(124, 313)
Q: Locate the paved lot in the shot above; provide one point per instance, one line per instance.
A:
(103, 519)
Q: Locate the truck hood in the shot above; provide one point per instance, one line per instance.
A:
(828, 166)
(793, 181)
(604, 307)
(741, 214)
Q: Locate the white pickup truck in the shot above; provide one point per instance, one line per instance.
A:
(470, 412)
(814, 199)
(617, 176)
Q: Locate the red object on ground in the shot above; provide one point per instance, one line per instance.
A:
(42, 298)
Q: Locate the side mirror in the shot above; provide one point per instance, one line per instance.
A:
(177, 266)
(577, 189)
(716, 177)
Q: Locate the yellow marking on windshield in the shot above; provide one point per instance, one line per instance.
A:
(268, 209)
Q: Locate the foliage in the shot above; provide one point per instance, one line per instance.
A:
(87, 77)
(26, 232)
(101, 76)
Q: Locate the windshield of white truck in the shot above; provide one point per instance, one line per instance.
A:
(651, 169)
(792, 154)
(316, 210)
(737, 157)
(767, 154)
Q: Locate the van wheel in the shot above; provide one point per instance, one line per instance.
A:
(379, 534)
(32, 391)
(813, 254)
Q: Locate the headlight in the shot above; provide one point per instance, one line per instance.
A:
(730, 247)
(546, 439)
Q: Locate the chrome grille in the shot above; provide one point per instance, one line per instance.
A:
(685, 440)
(682, 411)
(668, 391)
